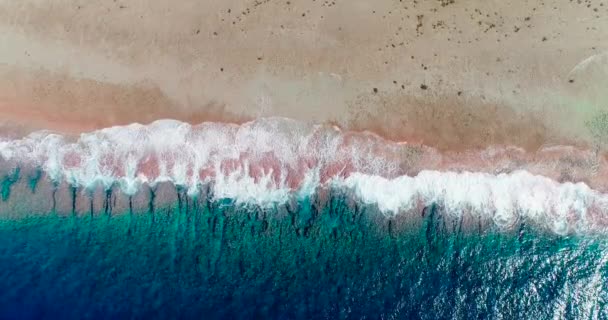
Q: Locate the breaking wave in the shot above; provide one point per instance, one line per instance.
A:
(275, 160)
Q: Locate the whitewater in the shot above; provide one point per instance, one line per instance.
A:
(276, 160)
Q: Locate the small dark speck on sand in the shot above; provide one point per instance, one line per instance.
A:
(375, 90)
(423, 86)
(571, 80)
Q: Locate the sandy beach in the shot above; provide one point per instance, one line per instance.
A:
(451, 74)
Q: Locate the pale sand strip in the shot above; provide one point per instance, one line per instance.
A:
(495, 72)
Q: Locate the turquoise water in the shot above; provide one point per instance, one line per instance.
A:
(218, 260)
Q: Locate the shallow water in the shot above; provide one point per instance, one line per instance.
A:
(218, 260)
(276, 219)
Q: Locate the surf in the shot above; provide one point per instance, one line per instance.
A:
(274, 161)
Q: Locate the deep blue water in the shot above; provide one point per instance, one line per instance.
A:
(216, 260)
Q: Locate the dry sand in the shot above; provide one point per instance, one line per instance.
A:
(453, 74)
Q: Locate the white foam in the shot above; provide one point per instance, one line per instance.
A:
(507, 198)
(270, 161)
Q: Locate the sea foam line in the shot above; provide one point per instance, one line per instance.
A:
(271, 161)
(506, 198)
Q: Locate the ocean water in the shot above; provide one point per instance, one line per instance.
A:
(280, 220)
(218, 260)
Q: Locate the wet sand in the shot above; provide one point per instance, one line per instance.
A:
(452, 74)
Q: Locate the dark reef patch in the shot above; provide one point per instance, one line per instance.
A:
(7, 181)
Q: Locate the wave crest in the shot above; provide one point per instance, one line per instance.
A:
(273, 160)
